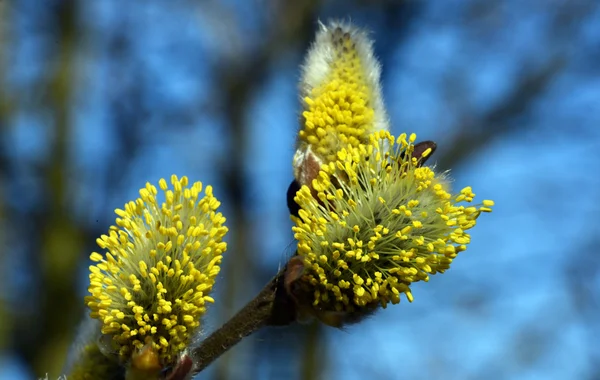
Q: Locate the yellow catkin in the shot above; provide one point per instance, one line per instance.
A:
(161, 259)
(385, 224)
(341, 96)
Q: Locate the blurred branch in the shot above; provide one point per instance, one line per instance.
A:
(294, 20)
(472, 138)
(582, 268)
(314, 353)
(44, 345)
(6, 100)
(6, 111)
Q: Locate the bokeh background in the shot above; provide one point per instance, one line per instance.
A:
(99, 96)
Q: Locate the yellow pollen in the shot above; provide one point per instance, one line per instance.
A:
(154, 278)
(386, 224)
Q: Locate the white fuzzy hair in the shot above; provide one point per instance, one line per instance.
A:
(321, 54)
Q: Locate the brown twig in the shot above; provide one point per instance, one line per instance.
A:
(271, 307)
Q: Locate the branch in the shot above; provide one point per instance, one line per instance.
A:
(271, 307)
(472, 138)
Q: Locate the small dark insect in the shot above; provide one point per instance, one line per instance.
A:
(291, 193)
(420, 148)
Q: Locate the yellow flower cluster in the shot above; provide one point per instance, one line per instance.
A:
(340, 107)
(152, 284)
(379, 223)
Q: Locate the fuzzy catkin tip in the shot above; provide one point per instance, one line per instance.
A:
(341, 94)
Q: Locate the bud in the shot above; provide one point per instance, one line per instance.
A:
(341, 97)
(92, 364)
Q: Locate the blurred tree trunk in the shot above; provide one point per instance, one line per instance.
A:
(43, 338)
(294, 20)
